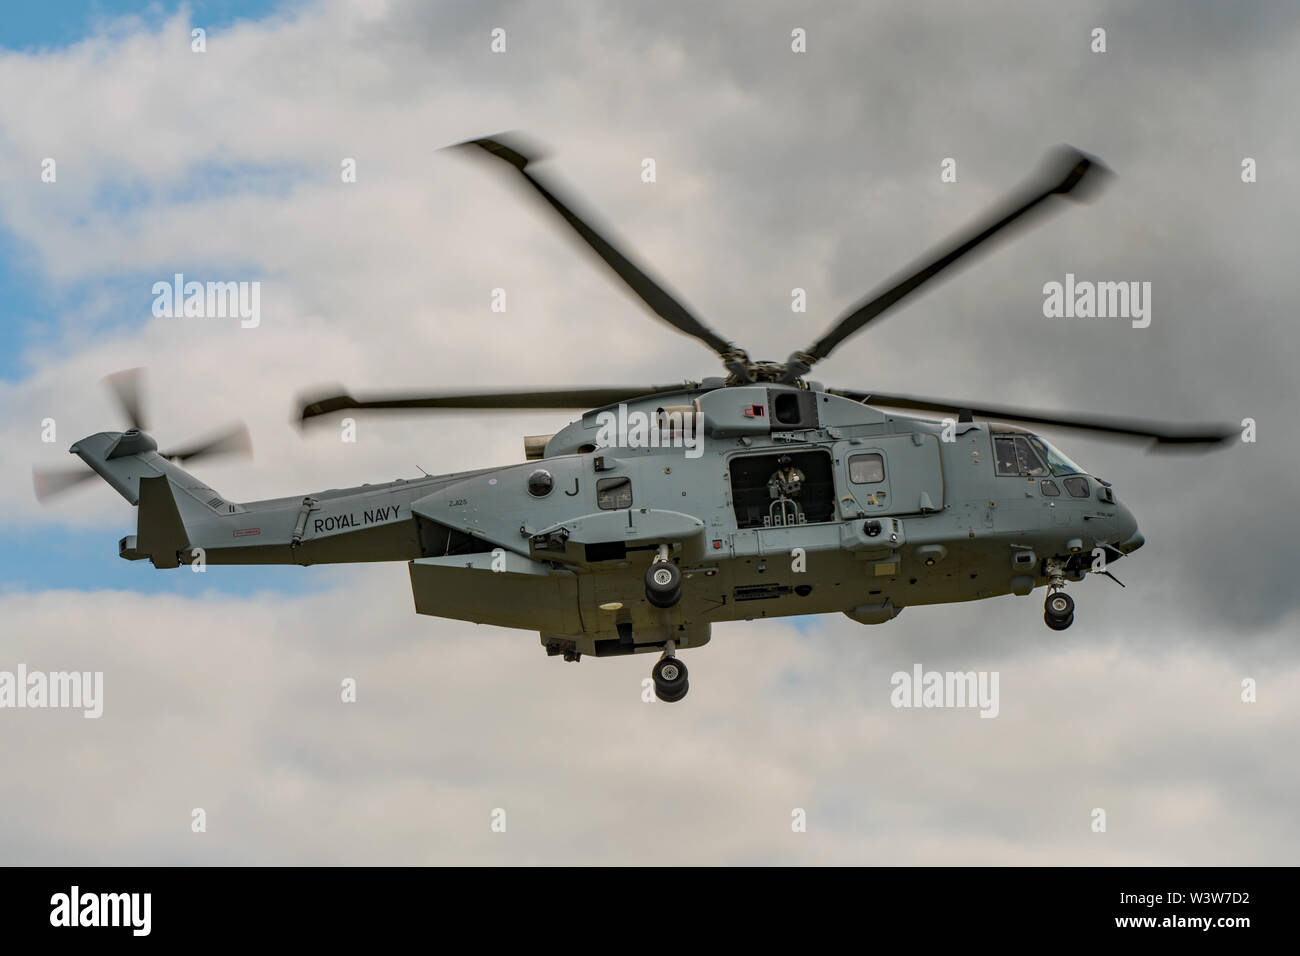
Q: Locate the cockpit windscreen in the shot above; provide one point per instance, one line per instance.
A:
(1055, 458)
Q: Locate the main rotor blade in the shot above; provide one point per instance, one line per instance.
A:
(1063, 171)
(647, 289)
(125, 386)
(1159, 432)
(232, 441)
(49, 482)
(591, 397)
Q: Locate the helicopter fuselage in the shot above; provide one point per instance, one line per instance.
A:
(890, 511)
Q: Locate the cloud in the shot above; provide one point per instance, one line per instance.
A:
(775, 170)
(233, 705)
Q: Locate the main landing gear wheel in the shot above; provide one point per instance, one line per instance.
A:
(663, 584)
(1058, 611)
(670, 680)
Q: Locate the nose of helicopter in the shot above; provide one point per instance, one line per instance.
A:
(1126, 530)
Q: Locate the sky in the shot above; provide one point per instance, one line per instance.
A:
(775, 170)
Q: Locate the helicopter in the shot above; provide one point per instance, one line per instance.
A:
(665, 509)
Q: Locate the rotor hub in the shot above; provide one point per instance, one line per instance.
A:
(764, 371)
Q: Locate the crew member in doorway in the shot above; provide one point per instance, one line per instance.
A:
(786, 483)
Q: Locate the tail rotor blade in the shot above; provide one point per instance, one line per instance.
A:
(234, 440)
(51, 482)
(126, 388)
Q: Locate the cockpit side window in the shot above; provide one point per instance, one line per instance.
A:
(1004, 455)
(1013, 455)
(1030, 463)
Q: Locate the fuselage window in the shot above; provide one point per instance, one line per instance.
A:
(866, 469)
(613, 494)
(1049, 488)
(1077, 486)
(1013, 455)
(540, 483)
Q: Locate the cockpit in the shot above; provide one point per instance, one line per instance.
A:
(1021, 453)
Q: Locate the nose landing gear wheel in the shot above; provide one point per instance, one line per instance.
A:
(670, 680)
(1058, 611)
(663, 584)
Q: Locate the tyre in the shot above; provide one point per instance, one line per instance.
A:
(670, 677)
(663, 584)
(1059, 605)
(1055, 624)
(673, 696)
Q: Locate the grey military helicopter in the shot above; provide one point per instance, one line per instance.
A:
(665, 509)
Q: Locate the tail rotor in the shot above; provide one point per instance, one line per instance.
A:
(126, 388)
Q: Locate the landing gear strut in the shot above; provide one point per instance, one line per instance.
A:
(1058, 609)
(663, 582)
(670, 676)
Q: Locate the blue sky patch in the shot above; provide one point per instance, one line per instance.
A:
(37, 311)
(54, 557)
(62, 23)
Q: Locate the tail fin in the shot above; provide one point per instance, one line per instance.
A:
(160, 532)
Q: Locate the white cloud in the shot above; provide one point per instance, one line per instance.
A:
(233, 705)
